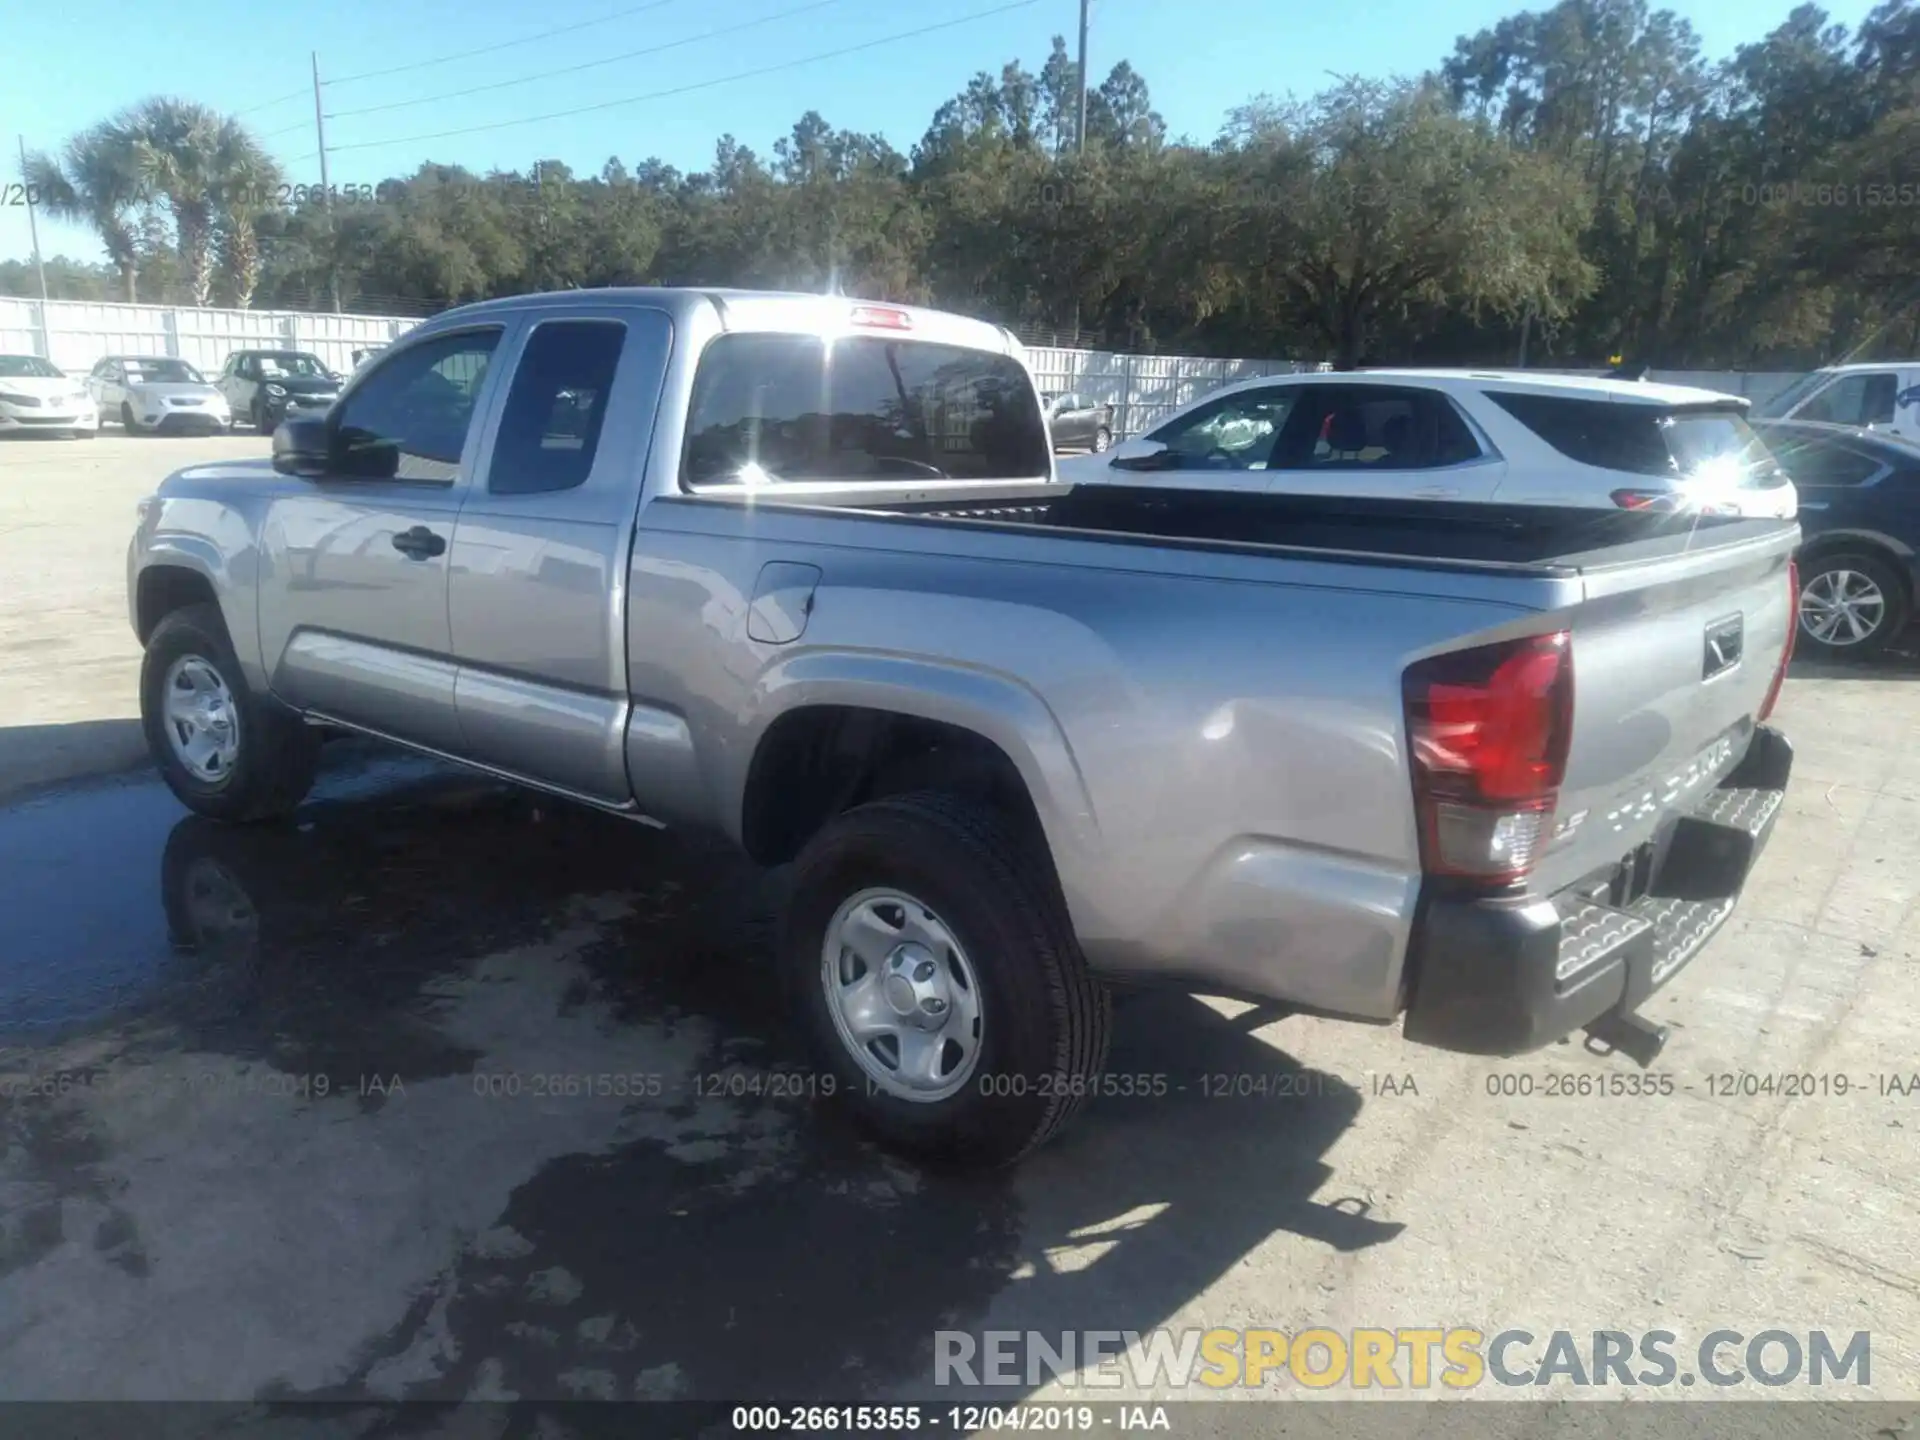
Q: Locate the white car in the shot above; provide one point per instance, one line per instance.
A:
(156, 394)
(36, 396)
(1884, 396)
(1518, 438)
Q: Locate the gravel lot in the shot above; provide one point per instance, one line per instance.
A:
(424, 945)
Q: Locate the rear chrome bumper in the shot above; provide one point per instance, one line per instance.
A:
(1502, 977)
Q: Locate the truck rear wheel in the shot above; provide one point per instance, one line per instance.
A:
(223, 751)
(939, 981)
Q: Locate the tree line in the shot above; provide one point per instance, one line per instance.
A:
(1570, 184)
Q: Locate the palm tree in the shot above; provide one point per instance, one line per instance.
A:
(96, 181)
(245, 181)
(177, 150)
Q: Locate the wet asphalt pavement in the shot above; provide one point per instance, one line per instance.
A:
(446, 1091)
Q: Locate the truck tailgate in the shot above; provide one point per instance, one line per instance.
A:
(1673, 661)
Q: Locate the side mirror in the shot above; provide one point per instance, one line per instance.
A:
(302, 447)
(1142, 455)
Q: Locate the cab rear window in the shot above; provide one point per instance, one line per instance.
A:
(772, 408)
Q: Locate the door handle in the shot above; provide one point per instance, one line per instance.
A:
(419, 543)
(1434, 492)
(1813, 504)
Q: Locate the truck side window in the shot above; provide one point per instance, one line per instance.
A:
(409, 419)
(550, 429)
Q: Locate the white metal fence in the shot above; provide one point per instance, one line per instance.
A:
(74, 334)
(1143, 389)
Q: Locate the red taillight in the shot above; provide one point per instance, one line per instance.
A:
(880, 317)
(1644, 499)
(1786, 655)
(1489, 730)
(1665, 500)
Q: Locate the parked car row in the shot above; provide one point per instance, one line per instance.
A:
(1847, 462)
(164, 395)
(1851, 477)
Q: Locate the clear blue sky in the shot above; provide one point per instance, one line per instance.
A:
(1200, 57)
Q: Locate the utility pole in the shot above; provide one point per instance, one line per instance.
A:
(1526, 331)
(326, 190)
(1080, 80)
(33, 233)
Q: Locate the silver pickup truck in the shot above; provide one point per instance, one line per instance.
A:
(797, 570)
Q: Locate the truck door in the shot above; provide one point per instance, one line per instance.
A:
(539, 558)
(353, 587)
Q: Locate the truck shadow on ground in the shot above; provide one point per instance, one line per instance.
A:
(719, 1239)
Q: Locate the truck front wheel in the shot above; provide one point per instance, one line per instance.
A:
(939, 981)
(223, 751)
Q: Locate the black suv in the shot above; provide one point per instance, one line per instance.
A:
(265, 386)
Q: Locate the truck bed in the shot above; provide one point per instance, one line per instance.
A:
(1643, 596)
(1542, 539)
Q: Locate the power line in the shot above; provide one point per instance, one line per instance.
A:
(269, 104)
(586, 65)
(286, 129)
(502, 45)
(688, 89)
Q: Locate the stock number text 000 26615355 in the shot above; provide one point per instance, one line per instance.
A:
(949, 1419)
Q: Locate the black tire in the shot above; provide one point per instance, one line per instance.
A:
(1894, 612)
(85, 434)
(1046, 1019)
(278, 752)
(261, 424)
(126, 419)
(1102, 438)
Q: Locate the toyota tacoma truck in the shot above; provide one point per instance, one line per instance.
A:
(797, 570)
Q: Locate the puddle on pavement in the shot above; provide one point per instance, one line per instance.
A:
(452, 963)
(86, 934)
(227, 1209)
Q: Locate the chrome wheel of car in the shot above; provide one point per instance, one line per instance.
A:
(904, 998)
(1842, 607)
(202, 721)
(1101, 439)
